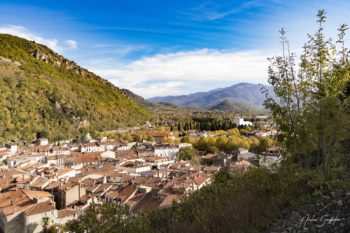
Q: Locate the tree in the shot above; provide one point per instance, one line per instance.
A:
(127, 137)
(105, 218)
(186, 153)
(264, 143)
(234, 132)
(221, 142)
(258, 125)
(185, 139)
(149, 138)
(45, 221)
(138, 138)
(310, 104)
(212, 149)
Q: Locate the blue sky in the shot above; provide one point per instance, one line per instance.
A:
(158, 47)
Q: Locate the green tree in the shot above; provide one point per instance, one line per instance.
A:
(186, 153)
(310, 100)
(105, 218)
(127, 137)
(149, 138)
(185, 139)
(264, 143)
(138, 138)
(45, 221)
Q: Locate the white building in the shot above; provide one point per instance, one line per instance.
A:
(166, 151)
(42, 141)
(240, 121)
(184, 145)
(91, 147)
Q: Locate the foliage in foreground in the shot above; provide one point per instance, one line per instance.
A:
(311, 108)
(242, 203)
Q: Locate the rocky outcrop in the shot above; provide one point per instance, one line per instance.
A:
(328, 213)
(43, 53)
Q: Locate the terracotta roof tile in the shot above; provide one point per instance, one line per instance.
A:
(66, 212)
(39, 208)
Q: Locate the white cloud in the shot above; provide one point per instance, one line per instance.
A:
(25, 33)
(185, 72)
(71, 44)
(213, 11)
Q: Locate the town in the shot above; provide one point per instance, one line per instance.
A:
(142, 169)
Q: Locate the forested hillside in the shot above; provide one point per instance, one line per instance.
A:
(42, 92)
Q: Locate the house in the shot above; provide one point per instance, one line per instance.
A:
(274, 151)
(81, 159)
(240, 167)
(134, 166)
(200, 180)
(56, 160)
(239, 121)
(115, 145)
(244, 154)
(108, 154)
(66, 193)
(65, 173)
(92, 147)
(188, 183)
(42, 141)
(114, 176)
(35, 215)
(4, 154)
(122, 194)
(83, 203)
(166, 150)
(39, 183)
(17, 160)
(160, 135)
(219, 160)
(126, 154)
(185, 145)
(66, 215)
(19, 209)
(12, 147)
(59, 150)
(156, 161)
(22, 212)
(144, 152)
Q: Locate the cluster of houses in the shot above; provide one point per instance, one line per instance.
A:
(60, 182)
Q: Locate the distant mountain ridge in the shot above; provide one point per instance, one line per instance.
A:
(246, 95)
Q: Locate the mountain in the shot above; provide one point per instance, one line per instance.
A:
(138, 99)
(42, 92)
(227, 106)
(244, 94)
(146, 103)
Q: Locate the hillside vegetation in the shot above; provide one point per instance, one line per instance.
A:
(42, 92)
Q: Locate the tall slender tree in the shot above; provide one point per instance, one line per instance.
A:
(310, 105)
